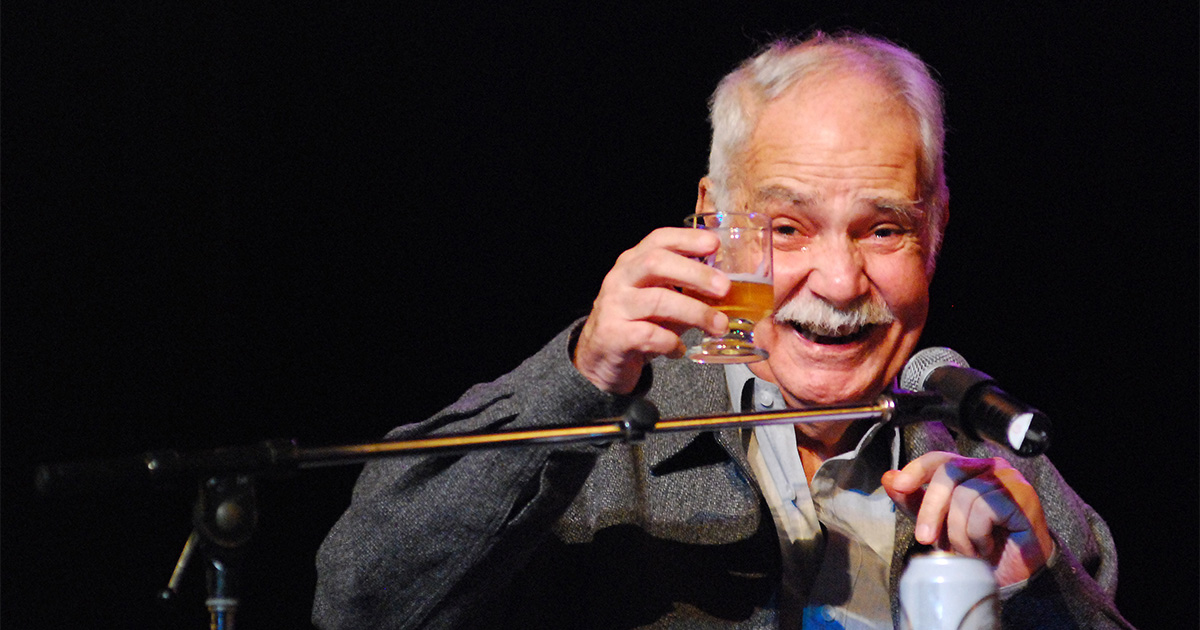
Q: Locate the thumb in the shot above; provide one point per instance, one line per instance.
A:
(909, 501)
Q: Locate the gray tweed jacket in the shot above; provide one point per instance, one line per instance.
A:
(671, 532)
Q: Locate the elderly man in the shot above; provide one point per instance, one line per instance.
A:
(838, 140)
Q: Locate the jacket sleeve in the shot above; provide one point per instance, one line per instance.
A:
(1078, 589)
(427, 540)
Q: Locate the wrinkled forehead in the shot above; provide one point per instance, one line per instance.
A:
(849, 118)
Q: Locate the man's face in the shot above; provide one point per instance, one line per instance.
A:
(835, 166)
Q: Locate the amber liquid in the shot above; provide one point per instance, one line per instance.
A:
(746, 300)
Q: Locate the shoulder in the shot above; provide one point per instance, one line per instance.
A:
(681, 388)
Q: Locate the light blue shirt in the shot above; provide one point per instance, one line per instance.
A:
(838, 534)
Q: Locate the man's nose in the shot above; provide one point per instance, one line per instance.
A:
(837, 274)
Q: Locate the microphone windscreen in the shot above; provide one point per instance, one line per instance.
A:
(923, 363)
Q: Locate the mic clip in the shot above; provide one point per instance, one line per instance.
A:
(907, 407)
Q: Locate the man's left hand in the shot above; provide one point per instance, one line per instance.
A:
(982, 508)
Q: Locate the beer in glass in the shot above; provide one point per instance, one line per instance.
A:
(745, 256)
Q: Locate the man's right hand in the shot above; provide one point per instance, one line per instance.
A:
(639, 314)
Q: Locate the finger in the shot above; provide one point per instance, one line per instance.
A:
(919, 471)
(1022, 494)
(906, 486)
(984, 526)
(908, 502)
(963, 534)
(1025, 519)
(682, 240)
(998, 506)
(620, 339)
(662, 259)
(931, 518)
(673, 309)
(663, 268)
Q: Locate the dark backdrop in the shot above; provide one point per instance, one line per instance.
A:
(225, 224)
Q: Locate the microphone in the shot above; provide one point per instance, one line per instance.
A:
(984, 411)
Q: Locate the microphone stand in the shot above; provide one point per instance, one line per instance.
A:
(226, 511)
(641, 418)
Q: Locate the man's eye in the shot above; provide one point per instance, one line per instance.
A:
(786, 230)
(887, 231)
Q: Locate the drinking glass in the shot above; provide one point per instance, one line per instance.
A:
(744, 256)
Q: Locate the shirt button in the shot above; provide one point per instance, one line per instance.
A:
(766, 400)
(827, 613)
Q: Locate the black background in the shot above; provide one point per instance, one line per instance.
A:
(229, 223)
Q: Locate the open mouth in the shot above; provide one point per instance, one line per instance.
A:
(835, 337)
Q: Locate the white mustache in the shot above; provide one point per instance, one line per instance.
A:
(827, 320)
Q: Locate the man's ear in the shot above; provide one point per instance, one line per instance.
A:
(705, 199)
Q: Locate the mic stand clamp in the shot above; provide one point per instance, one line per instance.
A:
(224, 518)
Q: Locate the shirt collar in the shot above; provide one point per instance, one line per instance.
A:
(766, 396)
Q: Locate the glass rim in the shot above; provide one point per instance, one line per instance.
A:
(755, 217)
(710, 213)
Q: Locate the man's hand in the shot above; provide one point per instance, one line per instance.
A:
(980, 508)
(639, 315)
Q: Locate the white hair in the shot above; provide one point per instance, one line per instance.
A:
(741, 95)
